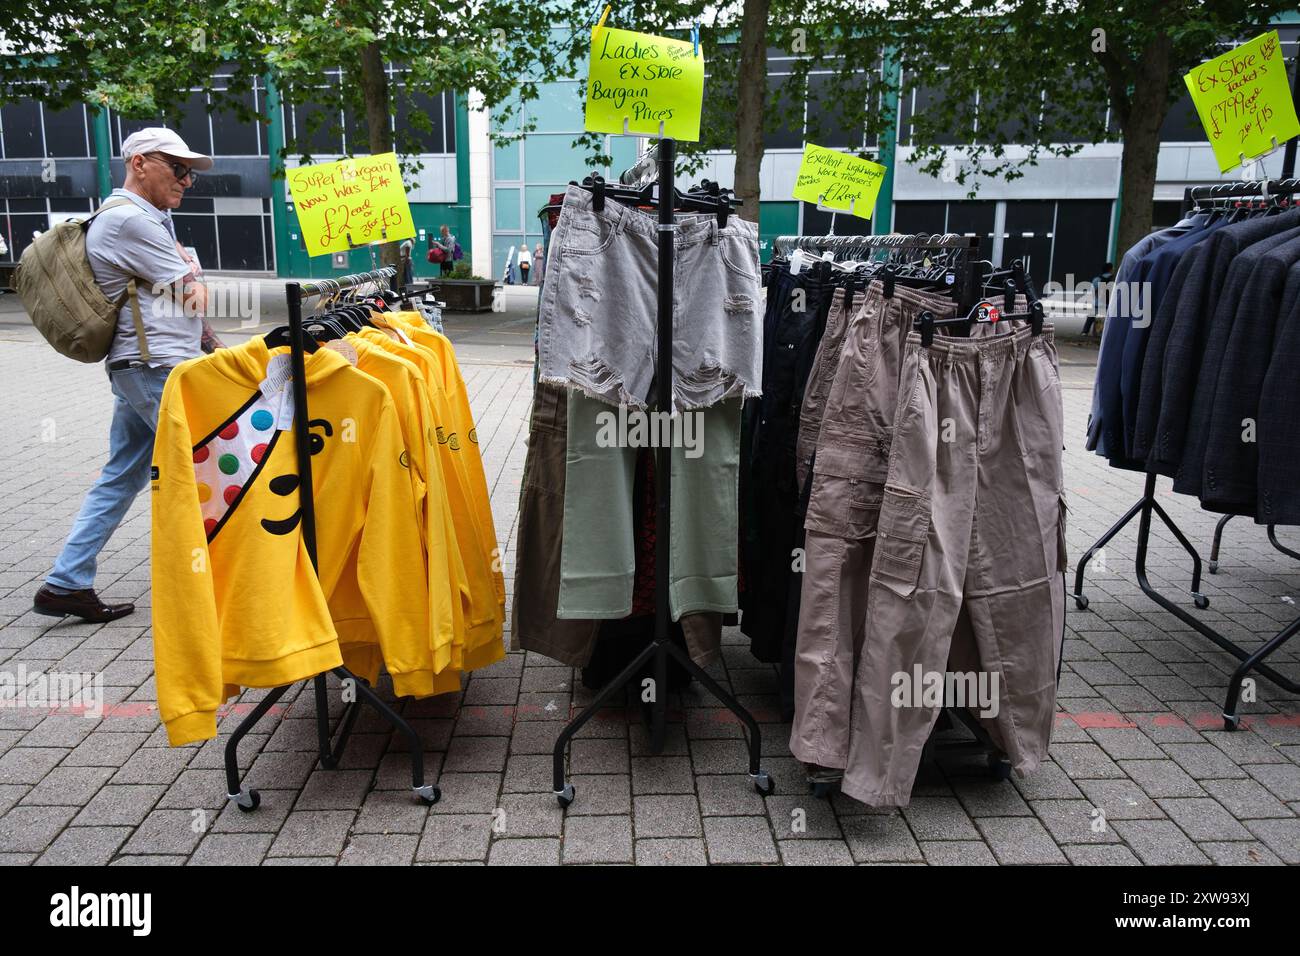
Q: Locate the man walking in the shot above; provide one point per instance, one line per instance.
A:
(134, 240)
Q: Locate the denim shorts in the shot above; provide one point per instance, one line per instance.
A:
(598, 317)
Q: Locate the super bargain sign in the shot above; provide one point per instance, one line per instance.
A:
(351, 202)
(1244, 101)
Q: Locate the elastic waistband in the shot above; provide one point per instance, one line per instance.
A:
(962, 349)
(690, 227)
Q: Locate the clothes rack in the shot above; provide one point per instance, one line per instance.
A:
(331, 752)
(662, 646)
(1147, 505)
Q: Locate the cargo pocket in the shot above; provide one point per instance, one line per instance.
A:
(900, 541)
(1062, 557)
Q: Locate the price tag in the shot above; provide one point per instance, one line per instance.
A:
(831, 178)
(1244, 100)
(644, 85)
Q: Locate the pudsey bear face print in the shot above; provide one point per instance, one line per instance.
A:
(287, 484)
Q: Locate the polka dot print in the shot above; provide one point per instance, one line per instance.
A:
(229, 460)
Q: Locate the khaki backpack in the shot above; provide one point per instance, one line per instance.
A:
(65, 303)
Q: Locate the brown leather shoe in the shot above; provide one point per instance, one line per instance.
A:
(84, 604)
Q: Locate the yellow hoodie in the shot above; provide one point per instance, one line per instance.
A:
(485, 615)
(446, 572)
(235, 599)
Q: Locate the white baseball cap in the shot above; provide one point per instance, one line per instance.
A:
(158, 139)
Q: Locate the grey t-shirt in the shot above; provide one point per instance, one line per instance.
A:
(141, 242)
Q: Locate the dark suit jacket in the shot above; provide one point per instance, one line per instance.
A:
(1178, 343)
(1279, 416)
(1229, 479)
(1188, 477)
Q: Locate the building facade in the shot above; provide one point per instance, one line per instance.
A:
(1060, 216)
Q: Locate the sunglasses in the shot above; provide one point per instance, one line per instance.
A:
(179, 170)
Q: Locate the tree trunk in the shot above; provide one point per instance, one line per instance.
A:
(374, 88)
(1142, 142)
(751, 96)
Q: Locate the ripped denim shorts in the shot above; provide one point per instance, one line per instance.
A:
(598, 317)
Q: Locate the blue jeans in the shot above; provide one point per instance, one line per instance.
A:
(138, 392)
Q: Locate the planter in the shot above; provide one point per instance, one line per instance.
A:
(464, 295)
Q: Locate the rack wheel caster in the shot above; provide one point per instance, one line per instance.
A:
(329, 763)
(1081, 602)
(1200, 600)
(763, 784)
(565, 797)
(247, 800)
(1214, 567)
(428, 793)
(999, 767)
(1231, 722)
(822, 791)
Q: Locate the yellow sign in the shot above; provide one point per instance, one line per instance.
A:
(352, 202)
(830, 178)
(1244, 101)
(644, 85)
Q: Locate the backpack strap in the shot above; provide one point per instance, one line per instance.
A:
(85, 223)
(139, 322)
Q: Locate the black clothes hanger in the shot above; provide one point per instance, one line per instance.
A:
(278, 337)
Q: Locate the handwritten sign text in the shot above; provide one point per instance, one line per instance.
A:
(352, 202)
(1244, 100)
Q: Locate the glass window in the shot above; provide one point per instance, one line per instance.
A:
(201, 233)
(449, 124)
(1182, 123)
(1029, 228)
(914, 217)
(827, 125)
(506, 209)
(241, 243)
(786, 103)
(233, 137)
(1082, 238)
(535, 197)
(975, 218)
(428, 107)
(21, 228)
(65, 132)
(316, 130)
(22, 129)
(558, 107)
(624, 151)
(505, 161)
(193, 125)
(552, 157)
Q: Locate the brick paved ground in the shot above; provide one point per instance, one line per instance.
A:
(1139, 738)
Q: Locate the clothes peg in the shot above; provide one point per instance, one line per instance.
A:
(695, 38)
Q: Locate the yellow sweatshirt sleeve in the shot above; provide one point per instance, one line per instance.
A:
(187, 645)
(439, 532)
(385, 572)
